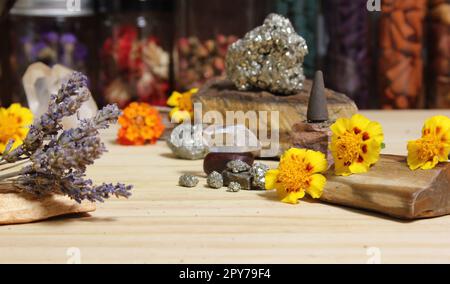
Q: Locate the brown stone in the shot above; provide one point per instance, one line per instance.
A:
(222, 96)
(244, 179)
(217, 162)
(19, 208)
(312, 136)
(391, 188)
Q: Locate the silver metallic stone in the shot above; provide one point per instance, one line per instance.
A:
(238, 166)
(215, 180)
(234, 187)
(258, 173)
(270, 57)
(186, 142)
(188, 181)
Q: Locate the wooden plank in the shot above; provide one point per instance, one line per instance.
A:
(391, 188)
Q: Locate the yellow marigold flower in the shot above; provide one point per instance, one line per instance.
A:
(355, 145)
(182, 106)
(433, 147)
(298, 174)
(14, 122)
(141, 124)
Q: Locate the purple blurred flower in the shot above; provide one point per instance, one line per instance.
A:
(68, 38)
(37, 49)
(51, 37)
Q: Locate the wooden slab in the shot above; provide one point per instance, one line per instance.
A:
(222, 96)
(19, 208)
(391, 188)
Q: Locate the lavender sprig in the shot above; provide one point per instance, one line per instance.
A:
(58, 157)
(73, 185)
(66, 102)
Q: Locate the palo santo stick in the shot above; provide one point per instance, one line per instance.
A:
(19, 208)
(391, 188)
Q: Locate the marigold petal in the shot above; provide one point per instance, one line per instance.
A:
(174, 99)
(317, 185)
(440, 122)
(372, 155)
(317, 160)
(413, 159)
(178, 116)
(359, 168)
(360, 121)
(193, 90)
(375, 131)
(271, 179)
(430, 164)
(15, 107)
(340, 126)
(293, 153)
(293, 197)
(340, 169)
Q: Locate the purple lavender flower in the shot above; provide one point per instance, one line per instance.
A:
(60, 157)
(66, 102)
(81, 52)
(51, 37)
(26, 40)
(68, 38)
(73, 185)
(37, 49)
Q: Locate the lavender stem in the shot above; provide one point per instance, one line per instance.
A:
(10, 175)
(12, 166)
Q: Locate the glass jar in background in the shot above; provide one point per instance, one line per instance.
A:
(401, 44)
(347, 64)
(304, 15)
(49, 31)
(439, 54)
(204, 30)
(5, 95)
(135, 53)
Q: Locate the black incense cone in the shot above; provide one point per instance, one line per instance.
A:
(317, 106)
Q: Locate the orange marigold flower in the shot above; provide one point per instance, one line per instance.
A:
(140, 124)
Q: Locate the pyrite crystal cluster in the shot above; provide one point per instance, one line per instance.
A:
(270, 57)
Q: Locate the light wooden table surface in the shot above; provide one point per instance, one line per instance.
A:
(164, 223)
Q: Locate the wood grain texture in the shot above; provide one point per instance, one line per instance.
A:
(163, 223)
(391, 188)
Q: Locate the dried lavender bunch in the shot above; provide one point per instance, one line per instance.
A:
(66, 102)
(76, 148)
(59, 158)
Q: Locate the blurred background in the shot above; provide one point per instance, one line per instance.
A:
(396, 57)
